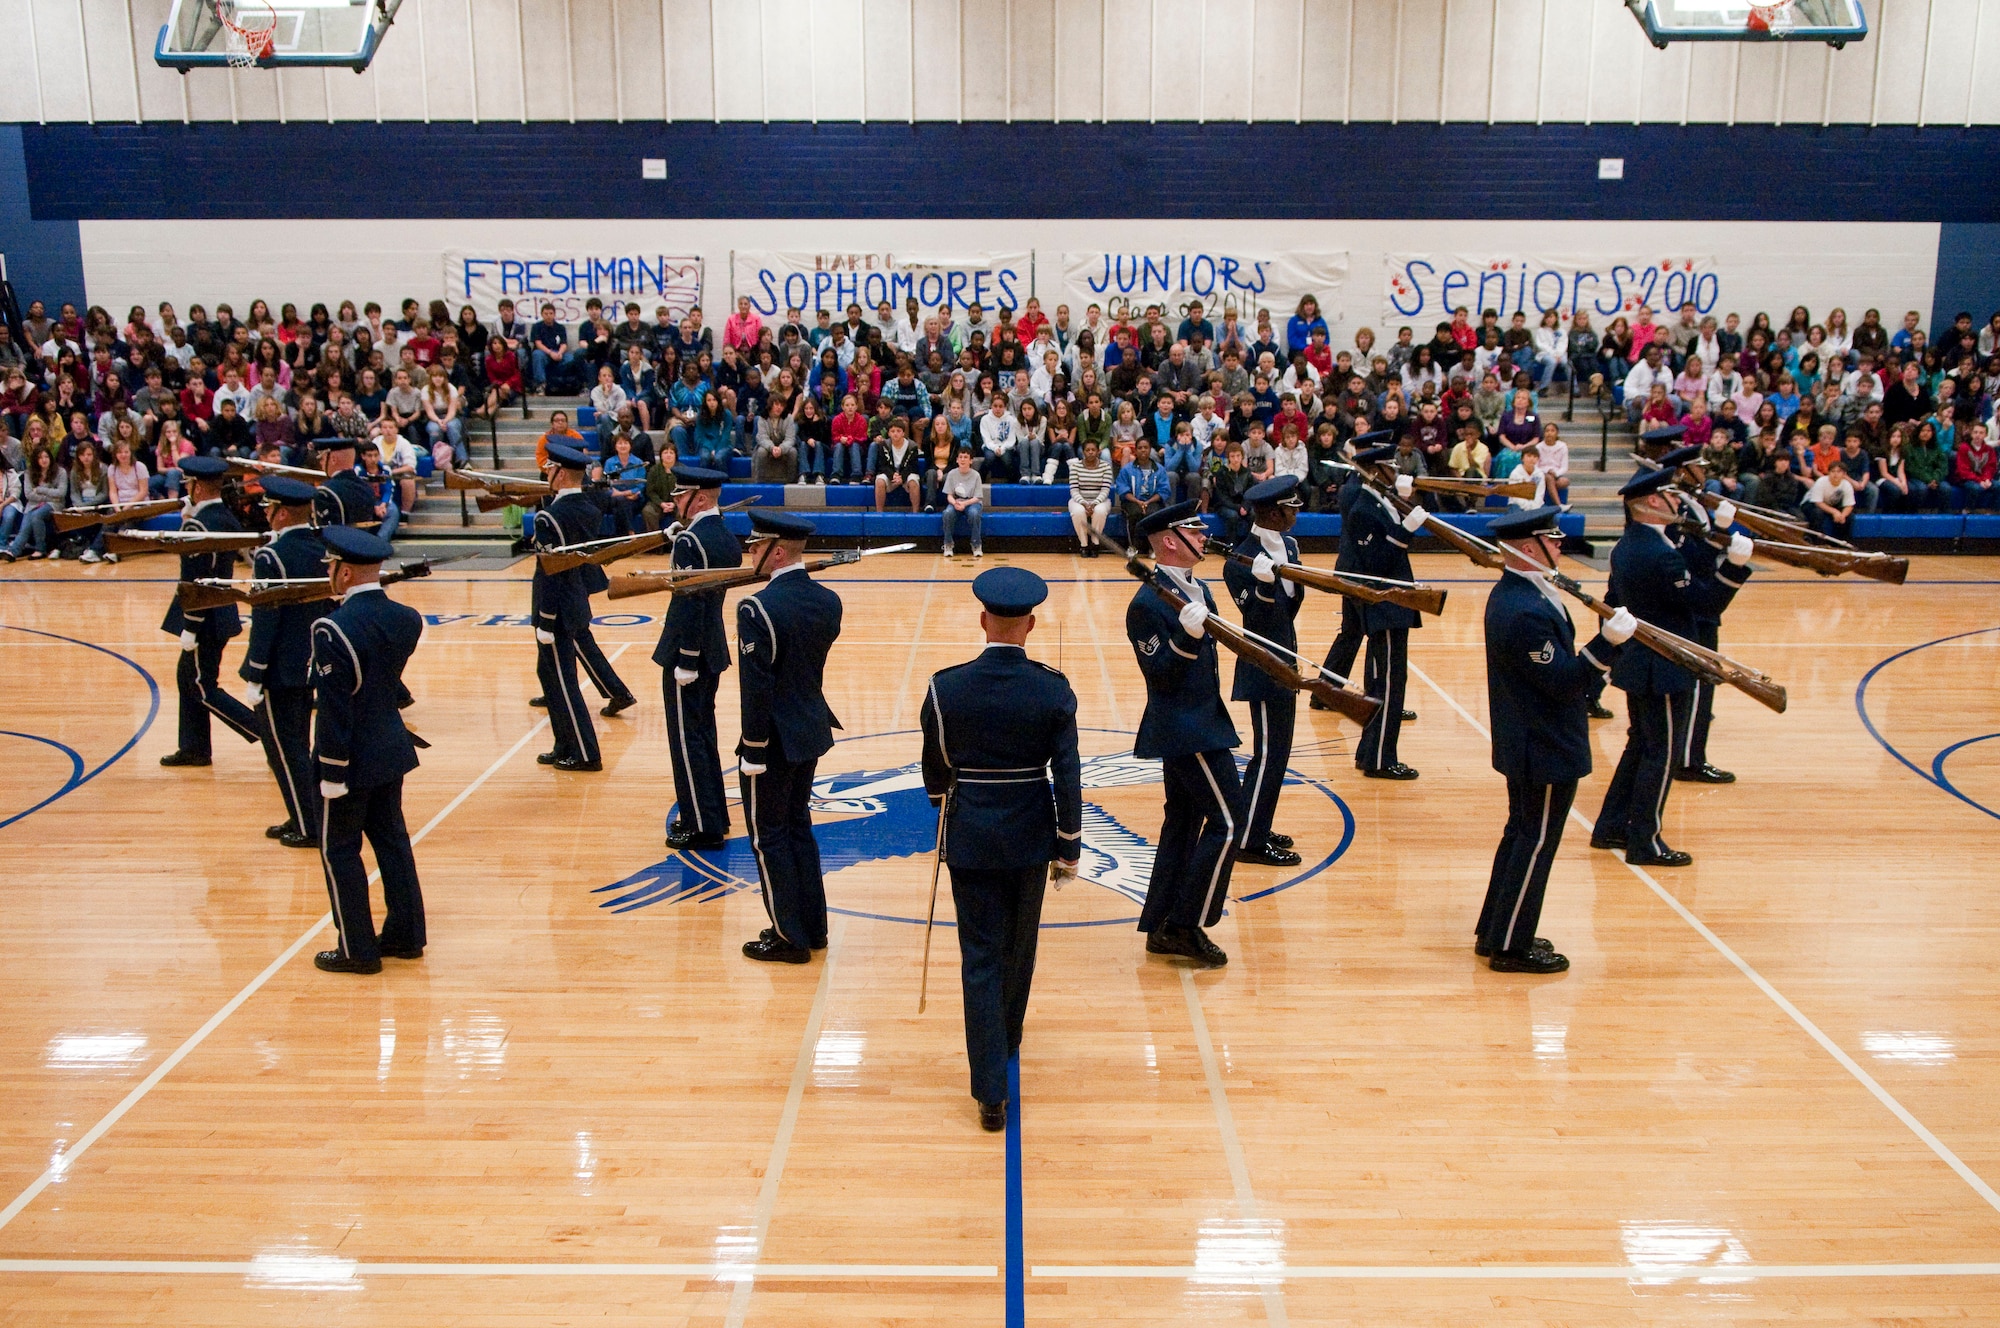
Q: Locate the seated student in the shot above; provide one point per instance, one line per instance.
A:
(444, 425)
(43, 491)
(1090, 491)
(1470, 459)
(1142, 486)
(998, 434)
(961, 492)
(816, 459)
(1974, 472)
(1228, 494)
(1860, 468)
(659, 502)
(898, 463)
(1761, 462)
(377, 477)
(775, 458)
(607, 399)
(1927, 466)
(625, 473)
(559, 433)
(1829, 504)
(401, 463)
(1778, 487)
(1530, 470)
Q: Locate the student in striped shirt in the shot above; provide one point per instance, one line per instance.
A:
(1090, 483)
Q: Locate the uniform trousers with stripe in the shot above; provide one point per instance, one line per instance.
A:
(198, 678)
(1513, 909)
(378, 814)
(1387, 675)
(1637, 798)
(287, 732)
(778, 806)
(1346, 647)
(1190, 881)
(602, 676)
(1691, 753)
(703, 803)
(999, 921)
(1271, 724)
(555, 666)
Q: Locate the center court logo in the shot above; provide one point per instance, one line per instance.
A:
(878, 815)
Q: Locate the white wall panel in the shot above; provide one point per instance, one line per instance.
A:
(1079, 58)
(1374, 55)
(114, 96)
(1329, 59)
(983, 53)
(1030, 43)
(1176, 60)
(545, 39)
(1804, 84)
(1757, 83)
(397, 86)
(790, 29)
(835, 58)
(938, 71)
(886, 60)
(641, 67)
(1663, 81)
(1517, 58)
(1468, 68)
(1899, 67)
(588, 26)
(496, 52)
(741, 76)
(690, 71)
(20, 96)
(1128, 66)
(1420, 46)
(1947, 65)
(1984, 104)
(58, 42)
(1567, 34)
(1272, 39)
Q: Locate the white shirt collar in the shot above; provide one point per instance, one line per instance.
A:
(1665, 538)
(288, 530)
(360, 590)
(198, 508)
(1003, 645)
(708, 512)
(1185, 579)
(795, 567)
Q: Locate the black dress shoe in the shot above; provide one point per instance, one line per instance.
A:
(1528, 961)
(1598, 711)
(1704, 774)
(540, 701)
(992, 1116)
(683, 836)
(1673, 857)
(1318, 704)
(1269, 855)
(298, 839)
(577, 763)
(1396, 771)
(1607, 841)
(548, 758)
(400, 951)
(1409, 715)
(617, 704)
(770, 948)
(1277, 840)
(279, 831)
(332, 961)
(1485, 951)
(184, 758)
(1188, 943)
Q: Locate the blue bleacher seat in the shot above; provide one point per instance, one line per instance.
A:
(171, 521)
(739, 468)
(586, 418)
(1028, 495)
(1980, 525)
(1910, 525)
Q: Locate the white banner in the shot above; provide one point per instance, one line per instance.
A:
(1421, 290)
(532, 278)
(777, 280)
(1221, 280)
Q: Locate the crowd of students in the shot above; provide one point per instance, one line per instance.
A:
(1130, 412)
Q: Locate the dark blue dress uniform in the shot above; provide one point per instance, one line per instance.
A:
(1538, 692)
(1704, 560)
(590, 656)
(1382, 549)
(1651, 577)
(280, 661)
(1269, 610)
(1346, 647)
(1188, 730)
(693, 640)
(1000, 755)
(359, 651)
(345, 499)
(562, 613)
(198, 676)
(784, 633)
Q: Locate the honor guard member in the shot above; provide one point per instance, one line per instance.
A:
(694, 653)
(1650, 576)
(997, 732)
(590, 656)
(1538, 688)
(783, 634)
(345, 499)
(363, 751)
(1346, 647)
(1269, 605)
(1382, 538)
(203, 632)
(278, 666)
(1187, 729)
(562, 612)
(1691, 755)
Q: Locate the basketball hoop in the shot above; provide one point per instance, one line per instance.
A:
(245, 46)
(1774, 18)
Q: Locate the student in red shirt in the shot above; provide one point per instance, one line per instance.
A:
(1462, 330)
(850, 442)
(197, 403)
(422, 344)
(1973, 469)
(1031, 320)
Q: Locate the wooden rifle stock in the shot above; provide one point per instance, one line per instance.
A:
(1464, 486)
(1766, 524)
(208, 594)
(698, 581)
(1360, 709)
(1486, 555)
(1818, 558)
(603, 552)
(1413, 595)
(104, 514)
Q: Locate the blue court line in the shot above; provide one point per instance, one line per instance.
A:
(75, 766)
(77, 781)
(1935, 775)
(1017, 1263)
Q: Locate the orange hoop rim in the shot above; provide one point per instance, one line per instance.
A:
(257, 42)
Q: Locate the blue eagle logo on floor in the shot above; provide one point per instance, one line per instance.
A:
(887, 815)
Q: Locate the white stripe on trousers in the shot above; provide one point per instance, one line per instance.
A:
(1261, 721)
(562, 685)
(680, 716)
(332, 886)
(1687, 746)
(1541, 838)
(278, 746)
(757, 847)
(1388, 689)
(1228, 835)
(1666, 778)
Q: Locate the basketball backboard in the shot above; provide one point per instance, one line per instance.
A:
(1835, 22)
(272, 34)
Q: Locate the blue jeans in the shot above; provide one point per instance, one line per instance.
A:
(31, 525)
(453, 432)
(1179, 464)
(166, 484)
(951, 517)
(850, 461)
(390, 520)
(539, 371)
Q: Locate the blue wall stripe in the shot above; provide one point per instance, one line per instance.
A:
(44, 258)
(1968, 273)
(986, 169)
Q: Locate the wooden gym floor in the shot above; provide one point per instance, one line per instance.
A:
(1763, 1092)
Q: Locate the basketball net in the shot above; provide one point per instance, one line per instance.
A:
(243, 45)
(1774, 18)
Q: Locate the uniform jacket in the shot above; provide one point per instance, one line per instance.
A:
(280, 653)
(1381, 548)
(1703, 559)
(783, 634)
(562, 599)
(692, 636)
(1184, 710)
(358, 654)
(1650, 576)
(1269, 611)
(221, 622)
(344, 500)
(1538, 684)
(1348, 559)
(996, 731)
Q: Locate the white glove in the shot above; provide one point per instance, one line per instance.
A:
(330, 790)
(1194, 619)
(1405, 485)
(1725, 514)
(187, 641)
(1740, 548)
(253, 695)
(1413, 520)
(750, 768)
(546, 638)
(1264, 569)
(1618, 628)
(682, 677)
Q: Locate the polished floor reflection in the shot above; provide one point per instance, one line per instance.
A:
(1763, 1092)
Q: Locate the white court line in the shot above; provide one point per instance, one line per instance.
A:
(1797, 1016)
(916, 644)
(1103, 661)
(748, 1272)
(316, 1270)
(1528, 1272)
(68, 1159)
(1232, 1149)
